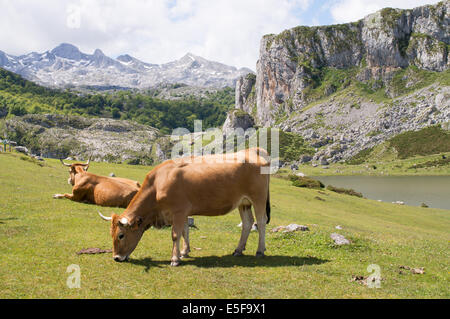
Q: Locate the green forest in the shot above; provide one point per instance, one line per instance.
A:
(19, 97)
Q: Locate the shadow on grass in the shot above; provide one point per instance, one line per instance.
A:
(2, 220)
(232, 261)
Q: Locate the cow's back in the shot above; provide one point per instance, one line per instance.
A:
(114, 192)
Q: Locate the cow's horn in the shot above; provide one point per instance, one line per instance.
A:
(64, 163)
(104, 217)
(89, 161)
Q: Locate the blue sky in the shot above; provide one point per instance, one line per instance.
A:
(159, 31)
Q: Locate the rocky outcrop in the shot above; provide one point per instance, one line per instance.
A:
(245, 93)
(339, 129)
(60, 136)
(237, 119)
(292, 63)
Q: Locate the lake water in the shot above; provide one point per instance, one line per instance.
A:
(413, 190)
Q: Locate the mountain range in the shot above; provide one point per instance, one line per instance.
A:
(66, 66)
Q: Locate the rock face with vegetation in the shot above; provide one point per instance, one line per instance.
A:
(348, 87)
(60, 136)
(237, 119)
(245, 93)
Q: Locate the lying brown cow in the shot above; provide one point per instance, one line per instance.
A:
(99, 190)
(191, 186)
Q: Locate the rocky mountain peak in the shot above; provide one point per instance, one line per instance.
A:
(125, 58)
(98, 53)
(68, 51)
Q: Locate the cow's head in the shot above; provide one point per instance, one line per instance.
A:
(126, 233)
(75, 169)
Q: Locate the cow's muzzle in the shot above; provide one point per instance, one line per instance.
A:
(120, 259)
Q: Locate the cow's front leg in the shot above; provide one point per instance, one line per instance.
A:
(177, 233)
(59, 196)
(186, 247)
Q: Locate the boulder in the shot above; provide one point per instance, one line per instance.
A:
(290, 228)
(339, 239)
(21, 149)
(237, 119)
(305, 159)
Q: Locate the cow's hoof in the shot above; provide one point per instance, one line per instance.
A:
(58, 196)
(238, 253)
(259, 254)
(175, 263)
(184, 256)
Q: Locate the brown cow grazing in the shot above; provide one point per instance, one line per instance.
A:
(211, 185)
(99, 190)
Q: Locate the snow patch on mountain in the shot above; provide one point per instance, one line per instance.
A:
(67, 66)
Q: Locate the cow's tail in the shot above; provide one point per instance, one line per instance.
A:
(268, 206)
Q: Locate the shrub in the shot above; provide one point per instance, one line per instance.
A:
(306, 182)
(361, 157)
(339, 190)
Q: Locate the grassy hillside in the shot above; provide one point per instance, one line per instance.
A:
(39, 238)
(417, 165)
(427, 141)
(19, 97)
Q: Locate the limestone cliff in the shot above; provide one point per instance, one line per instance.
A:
(346, 80)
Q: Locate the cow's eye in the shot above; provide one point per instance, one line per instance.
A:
(121, 236)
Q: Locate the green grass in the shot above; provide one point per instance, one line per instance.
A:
(413, 143)
(385, 166)
(39, 238)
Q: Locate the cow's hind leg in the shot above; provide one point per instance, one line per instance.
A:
(261, 221)
(247, 222)
(186, 248)
(179, 221)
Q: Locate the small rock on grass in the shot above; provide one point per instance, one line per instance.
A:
(419, 271)
(362, 280)
(290, 228)
(339, 239)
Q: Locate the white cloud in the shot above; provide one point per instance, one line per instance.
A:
(159, 31)
(155, 31)
(352, 10)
